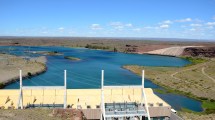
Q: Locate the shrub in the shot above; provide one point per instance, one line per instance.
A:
(115, 50)
(96, 47)
(68, 106)
(203, 98)
(29, 74)
(1, 85)
(209, 111)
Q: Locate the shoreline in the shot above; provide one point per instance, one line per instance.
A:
(24, 76)
(167, 89)
(9, 68)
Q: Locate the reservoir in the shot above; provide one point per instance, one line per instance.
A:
(86, 73)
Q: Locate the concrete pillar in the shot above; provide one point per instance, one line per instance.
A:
(144, 96)
(102, 78)
(143, 78)
(65, 92)
(20, 104)
(102, 96)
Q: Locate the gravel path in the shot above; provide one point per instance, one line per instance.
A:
(203, 72)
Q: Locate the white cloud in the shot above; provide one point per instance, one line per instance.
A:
(192, 29)
(167, 22)
(184, 20)
(95, 27)
(116, 24)
(151, 27)
(136, 29)
(120, 25)
(198, 20)
(129, 25)
(195, 25)
(61, 28)
(164, 26)
(210, 23)
(148, 27)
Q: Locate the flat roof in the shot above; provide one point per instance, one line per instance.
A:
(77, 97)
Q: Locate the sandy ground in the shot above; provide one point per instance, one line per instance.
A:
(28, 114)
(10, 66)
(41, 114)
(171, 51)
(192, 116)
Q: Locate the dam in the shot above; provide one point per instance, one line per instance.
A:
(105, 103)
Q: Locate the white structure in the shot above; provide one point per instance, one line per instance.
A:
(20, 100)
(126, 109)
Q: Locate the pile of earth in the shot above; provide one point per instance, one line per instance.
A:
(199, 52)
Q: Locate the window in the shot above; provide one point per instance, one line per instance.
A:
(97, 106)
(151, 104)
(88, 106)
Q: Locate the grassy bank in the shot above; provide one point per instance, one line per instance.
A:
(188, 80)
(194, 60)
(207, 105)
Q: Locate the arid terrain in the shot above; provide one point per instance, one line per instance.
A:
(10, 66)
(41, 114)
(192, 116)
(132, 45)
(196, 80)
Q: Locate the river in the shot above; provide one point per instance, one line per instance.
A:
(86, 73)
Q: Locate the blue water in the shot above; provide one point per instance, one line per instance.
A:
(87, 72)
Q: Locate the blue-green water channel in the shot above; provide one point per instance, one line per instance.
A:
(86, 73)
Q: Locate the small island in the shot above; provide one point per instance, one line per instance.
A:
(51, 53)
(72, 58)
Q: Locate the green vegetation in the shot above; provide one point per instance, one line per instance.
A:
(115, 50)
(208, 106)
(161, 91)
(1, 85)
(194, 60)
(96, 47)
(29, 74)
(53, 53)
(190, 111)
(72, 58)
(49, 53)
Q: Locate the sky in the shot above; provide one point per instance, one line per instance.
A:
(192, 19)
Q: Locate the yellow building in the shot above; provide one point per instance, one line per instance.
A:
(108, 102)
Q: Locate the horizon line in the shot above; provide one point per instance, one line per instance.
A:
(128, 38)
